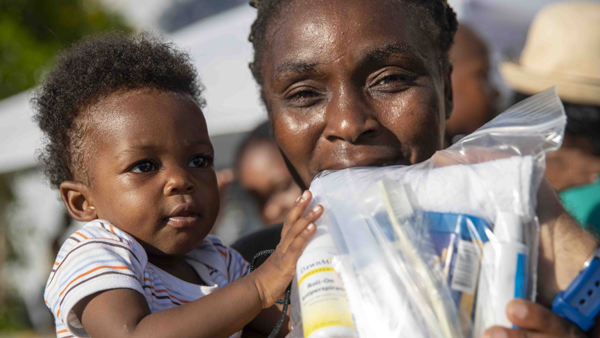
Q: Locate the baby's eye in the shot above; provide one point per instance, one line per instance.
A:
(201, 161)
(144, 167)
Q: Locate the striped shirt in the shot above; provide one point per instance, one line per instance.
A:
(101, 257)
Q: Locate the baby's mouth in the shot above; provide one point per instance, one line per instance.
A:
(181, 221)
(183, 216)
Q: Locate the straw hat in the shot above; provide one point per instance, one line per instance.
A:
(562, 50)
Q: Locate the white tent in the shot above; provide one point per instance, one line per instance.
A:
(220, 50)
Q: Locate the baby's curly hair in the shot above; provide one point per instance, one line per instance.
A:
(95, 68)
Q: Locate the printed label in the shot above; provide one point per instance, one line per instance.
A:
(464, 276)
(323, 299)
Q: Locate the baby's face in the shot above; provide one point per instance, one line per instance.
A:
(151, 170)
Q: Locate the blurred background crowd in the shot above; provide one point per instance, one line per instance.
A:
(495, 48)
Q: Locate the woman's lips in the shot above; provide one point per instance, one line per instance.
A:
(365, 161)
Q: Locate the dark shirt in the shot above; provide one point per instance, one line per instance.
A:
(253, 243)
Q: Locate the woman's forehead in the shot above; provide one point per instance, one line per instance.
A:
(324, 30)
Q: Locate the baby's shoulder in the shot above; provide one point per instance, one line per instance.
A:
(214, 254)
(210, 248)
(101, 233)
(95, 258)
(212, 240)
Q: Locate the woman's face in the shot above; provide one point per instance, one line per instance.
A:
(353, 83)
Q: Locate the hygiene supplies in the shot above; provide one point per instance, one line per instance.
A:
(459, 241)
(439, 248)
(323, 302)
(503, 273)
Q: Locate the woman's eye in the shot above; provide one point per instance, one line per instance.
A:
(303, 98)
(392, 82)
(201, 161)
(144, 167)
(392, 78)
(303, 95)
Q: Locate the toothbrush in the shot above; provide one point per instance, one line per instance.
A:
(392, 200)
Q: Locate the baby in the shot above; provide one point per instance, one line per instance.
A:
(128, 148)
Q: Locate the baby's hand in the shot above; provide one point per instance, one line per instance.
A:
(276, 273)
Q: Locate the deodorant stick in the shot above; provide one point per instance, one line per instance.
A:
(323, 301)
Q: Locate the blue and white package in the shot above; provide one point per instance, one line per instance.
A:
(459, 240)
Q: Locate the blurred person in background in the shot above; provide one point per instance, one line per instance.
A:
(262, 172)
(563, 50)
(475, 96)
(258, 191)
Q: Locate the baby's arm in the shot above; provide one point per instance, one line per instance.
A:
(125, 313)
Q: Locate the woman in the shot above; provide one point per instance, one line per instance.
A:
(367, 83)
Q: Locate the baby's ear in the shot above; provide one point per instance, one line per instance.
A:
(75, 196)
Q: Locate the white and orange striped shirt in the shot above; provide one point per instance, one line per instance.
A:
(101, 257)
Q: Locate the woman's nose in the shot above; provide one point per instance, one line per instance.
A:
(178, 181)
(350, 119)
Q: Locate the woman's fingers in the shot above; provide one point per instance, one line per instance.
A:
(534, 321)
(502, 332)
(535, 317)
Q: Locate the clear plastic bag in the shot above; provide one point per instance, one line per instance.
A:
(435, 249)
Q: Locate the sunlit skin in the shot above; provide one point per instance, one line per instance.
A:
(263, 173)
(343, 92)
(151, 172)
(574, 164)
(148, 170)
(359, 83)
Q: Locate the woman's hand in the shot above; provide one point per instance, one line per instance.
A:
(276, 273)
(534, 321)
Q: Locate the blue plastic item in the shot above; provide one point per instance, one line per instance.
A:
(580, 302)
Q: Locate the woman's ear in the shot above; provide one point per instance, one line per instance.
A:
(75, 195)
(448, 94)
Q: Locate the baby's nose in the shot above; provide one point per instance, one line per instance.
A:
(178, 182)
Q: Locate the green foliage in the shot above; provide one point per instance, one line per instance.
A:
(32, 31)
(13, 314)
